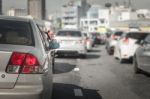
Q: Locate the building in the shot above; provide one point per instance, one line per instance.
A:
(97, 19)
(122, 13)
(73, 12)
(143, 13)
(17, 12)
(36, 8)
(122, 17)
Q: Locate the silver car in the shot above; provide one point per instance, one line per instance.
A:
(25, 60)
(72, 42)
(141, 58)
(88, 40)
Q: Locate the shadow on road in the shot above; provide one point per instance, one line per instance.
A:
(68, 91)
(63, 68)
(92, 56)
(67, 57)
(94, 50)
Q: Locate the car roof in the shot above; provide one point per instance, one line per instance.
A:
(69, 30)
(137, 32)
(14, 18)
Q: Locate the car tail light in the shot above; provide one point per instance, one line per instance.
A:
(80, 42)
(125, 40)
(87, 39)
(113, 37)
(22, 63)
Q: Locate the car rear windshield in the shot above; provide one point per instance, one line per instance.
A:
(118, 33)
(137, 36)
(15, 32)
(69, 33)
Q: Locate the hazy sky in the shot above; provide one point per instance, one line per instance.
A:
(54, 5)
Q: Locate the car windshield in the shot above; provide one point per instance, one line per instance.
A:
(15, 32)
(69, 33)
(118, 33)
(137, 36)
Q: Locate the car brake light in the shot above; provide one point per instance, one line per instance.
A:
(113, 37)
(125, 40)
(87, 39)
(21, 63)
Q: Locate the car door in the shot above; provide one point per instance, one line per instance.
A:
(143, 53)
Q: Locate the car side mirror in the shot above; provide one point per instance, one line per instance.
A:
(53, 44)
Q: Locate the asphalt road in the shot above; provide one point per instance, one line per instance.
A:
(99, 76)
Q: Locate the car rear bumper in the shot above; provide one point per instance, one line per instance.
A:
(70, 52)
(22, 93)
(28, 86)
(73, 50)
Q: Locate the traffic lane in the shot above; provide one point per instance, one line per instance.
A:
(67, 84)
(112, 79)
(137, 83)
(107, 76)
(70, 91)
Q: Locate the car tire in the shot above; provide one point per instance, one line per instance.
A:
(136, 69)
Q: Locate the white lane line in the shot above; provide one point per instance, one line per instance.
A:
(76, 69)
(78, 92)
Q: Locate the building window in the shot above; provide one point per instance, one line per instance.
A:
(86, 22)
(102, 21)
(93, 22)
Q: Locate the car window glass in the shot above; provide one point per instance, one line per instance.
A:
(137, 36)
(118, 33)
(16, 33)
(147, 39)
(69, 33)
(44, 38)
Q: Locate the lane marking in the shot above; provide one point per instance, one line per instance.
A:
(76, 69)
(78, 92)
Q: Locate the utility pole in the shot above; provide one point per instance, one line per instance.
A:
(0, 7)
(129, 3)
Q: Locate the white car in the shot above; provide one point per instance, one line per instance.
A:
(72, 42)
(112, 41)
(126, 45)
(88, 40)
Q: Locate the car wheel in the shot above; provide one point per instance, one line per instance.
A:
(136, 69)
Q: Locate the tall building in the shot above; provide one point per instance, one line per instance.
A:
(36, 8)
(73, 12)
(97, 19)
